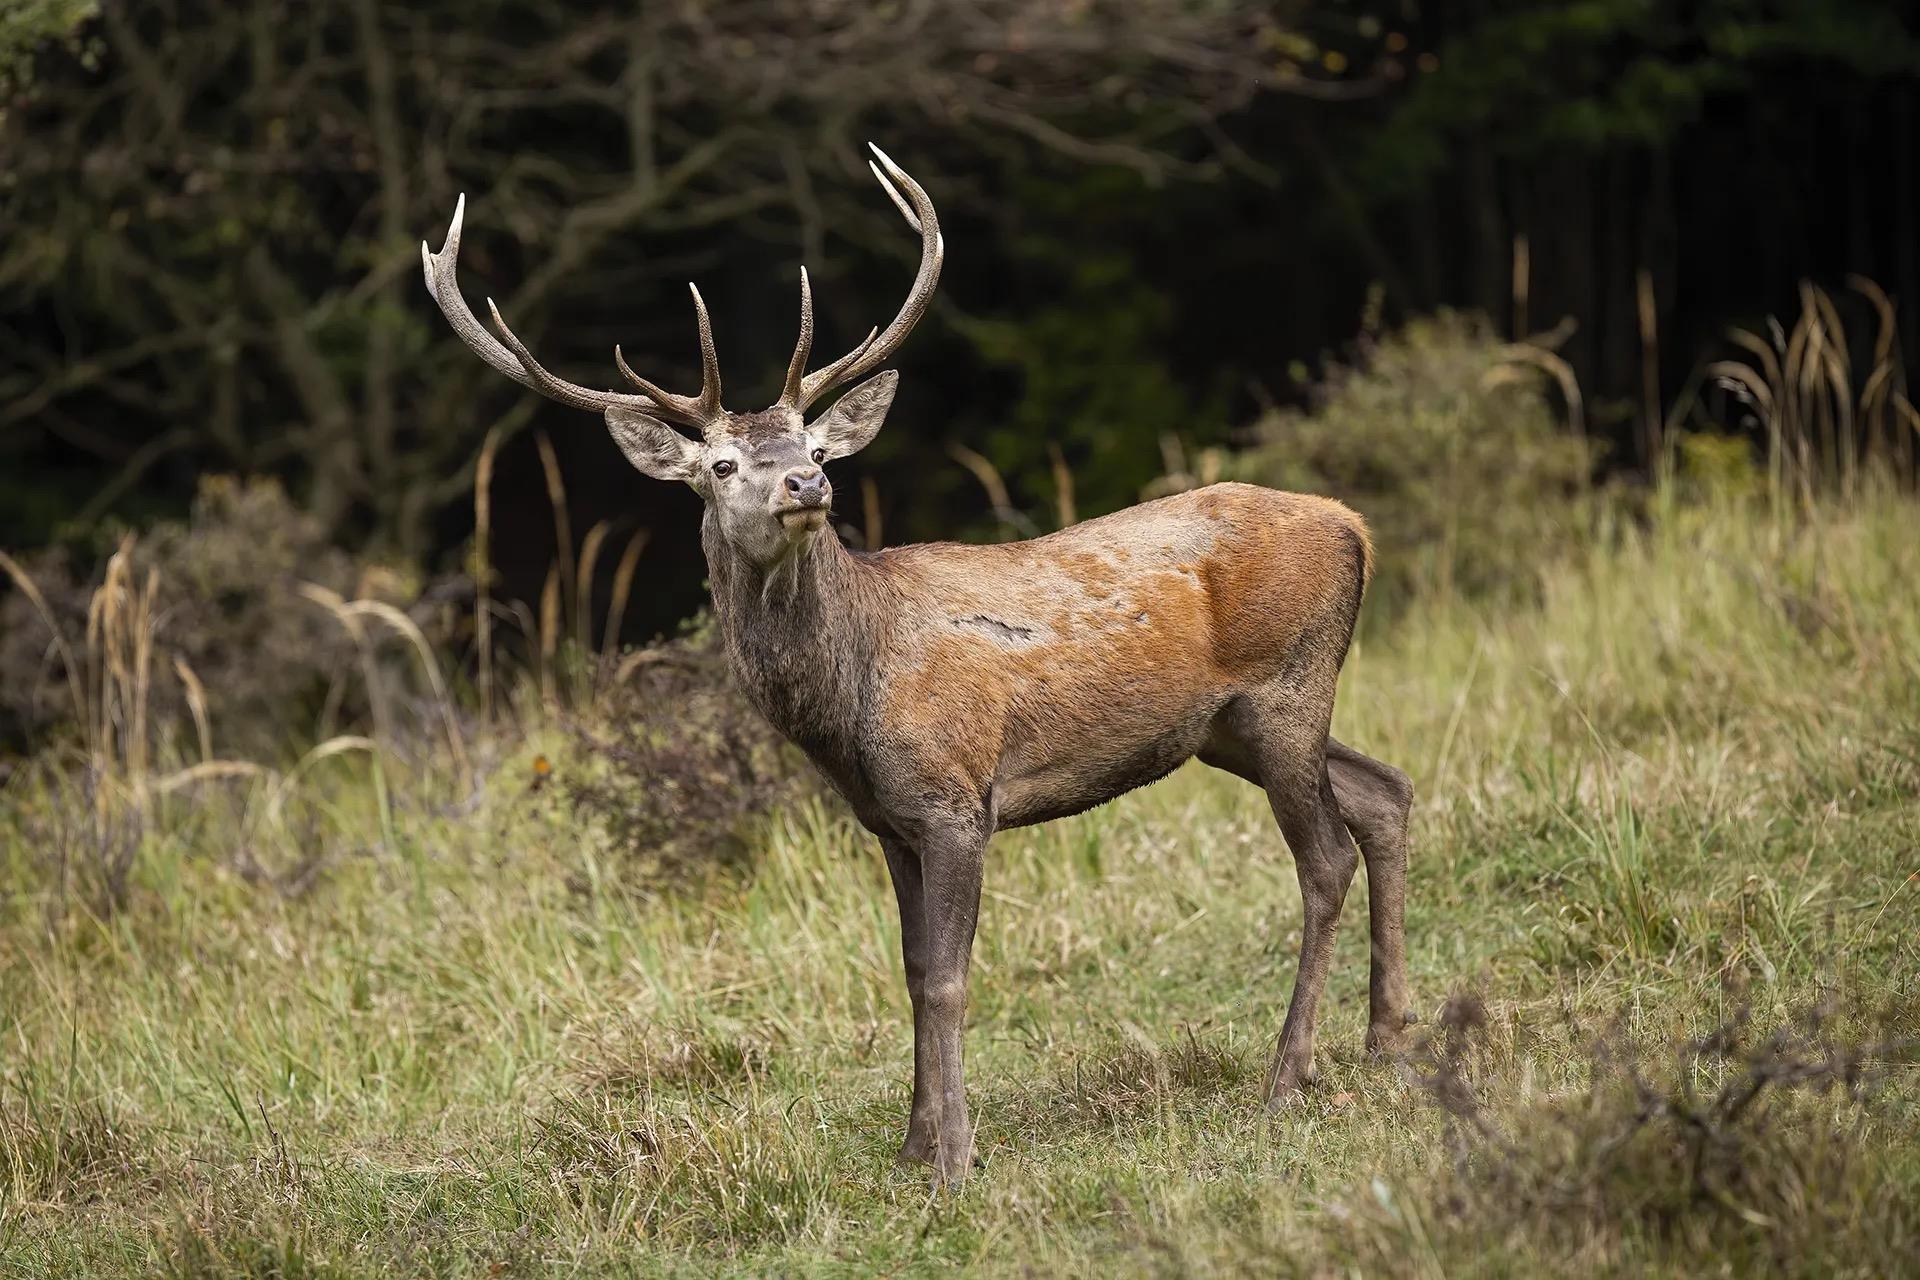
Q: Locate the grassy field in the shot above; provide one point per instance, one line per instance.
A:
(1682, 791)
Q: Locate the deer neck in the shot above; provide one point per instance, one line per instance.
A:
(800, 638)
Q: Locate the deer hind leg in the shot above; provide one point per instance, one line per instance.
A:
(1375, 800)
(1324, 859)
(903, 864)
(1287, 755)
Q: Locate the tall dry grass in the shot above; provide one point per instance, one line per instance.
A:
(128, 777)
(109, 782)
(1825, 418)
(558, 657)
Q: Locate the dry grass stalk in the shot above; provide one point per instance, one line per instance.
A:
(405, 627)
(871, 525)
(110, 677)
(1649, 319)
(349, 621)
(1178, 474)
(483, 568)
(68, 664)
(210, 771)
(550, 610)
(337, 745)
(583, 586)
(617, 603)
(562, 526)
(1062, 485)
(1540, 357)
(1522, 264)
(196, 705)
(996, 488)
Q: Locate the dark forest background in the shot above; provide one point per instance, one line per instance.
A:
(1161, 216)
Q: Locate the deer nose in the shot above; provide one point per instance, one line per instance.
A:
(807, 486)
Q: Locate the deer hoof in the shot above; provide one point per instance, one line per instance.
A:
(1287, 1087)
(1389, 1038)
(951, 1176)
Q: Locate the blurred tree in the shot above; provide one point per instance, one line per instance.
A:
(209, 215)
(1529, 78)
(28, 25)
(1583, 127)
(209, 222)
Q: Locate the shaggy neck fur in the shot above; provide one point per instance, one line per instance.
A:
(800, 637)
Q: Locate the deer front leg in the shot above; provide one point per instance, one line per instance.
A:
(951, 859)
(903, 864)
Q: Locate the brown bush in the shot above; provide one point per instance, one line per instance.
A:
(270, 663)
(677, 763)
(1753, 1149)
(1446, 440)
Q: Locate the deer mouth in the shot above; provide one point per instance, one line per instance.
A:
(808, 518)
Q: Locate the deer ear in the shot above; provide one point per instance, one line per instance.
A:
(653, 446)
(851, 424)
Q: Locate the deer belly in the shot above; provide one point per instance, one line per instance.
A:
(1071, 767)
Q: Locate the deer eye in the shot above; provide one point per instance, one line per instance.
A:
(819, 456)
(723, 468)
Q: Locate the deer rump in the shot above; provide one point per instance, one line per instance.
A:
(1045, 677)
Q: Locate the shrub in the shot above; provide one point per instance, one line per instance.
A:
(1741, 1153)
(227, 606)
(1448, 445)
(678, 764)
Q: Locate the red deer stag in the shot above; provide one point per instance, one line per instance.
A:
(951, 691)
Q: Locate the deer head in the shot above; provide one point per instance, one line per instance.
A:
(760, 473)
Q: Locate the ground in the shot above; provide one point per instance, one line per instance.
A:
(1681, 785)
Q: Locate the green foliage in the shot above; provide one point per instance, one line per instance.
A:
(227, 278)
(1094, 382)
(1452, 451)
(28, 25)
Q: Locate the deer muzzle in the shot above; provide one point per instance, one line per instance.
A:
(807, 488)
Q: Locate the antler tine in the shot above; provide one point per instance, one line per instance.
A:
(836, 373)
(513, 359)
(917, 208)
(443, 285)
(709, 400)
(540, 380)
(683, 408)
(699, 411)
(802, 348)
(893, 193)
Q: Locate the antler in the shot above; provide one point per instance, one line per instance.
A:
(514, 360)
(802, 389)
(703, 411)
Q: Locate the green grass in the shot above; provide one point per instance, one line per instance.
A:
(1687, 784)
